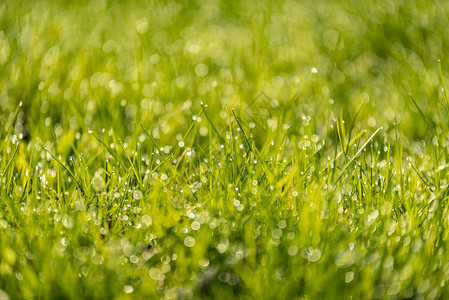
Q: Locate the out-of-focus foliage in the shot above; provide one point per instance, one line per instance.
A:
(85, 63)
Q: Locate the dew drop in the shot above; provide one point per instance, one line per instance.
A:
(315, 255)
(146, 220)
(204, 263)
(189, 241)
(292, 251)
(67, 222)
(195, 225)
(137, 195)
(98, 183)
(78, 199)
(349, 277)
(128, 289)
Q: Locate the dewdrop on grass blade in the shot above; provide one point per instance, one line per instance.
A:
(98, 182)
(137, 195)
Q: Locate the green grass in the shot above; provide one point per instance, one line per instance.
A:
(224, 149)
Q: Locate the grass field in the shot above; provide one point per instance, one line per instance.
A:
(224, 149)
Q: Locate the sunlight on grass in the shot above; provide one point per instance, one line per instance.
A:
(223, 149)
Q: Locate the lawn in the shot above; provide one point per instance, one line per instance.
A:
(224, 149)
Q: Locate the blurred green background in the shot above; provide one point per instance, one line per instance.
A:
(81, 64)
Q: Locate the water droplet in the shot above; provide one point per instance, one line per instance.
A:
(98, 183)
(189, 241)
(146, 220)
(137, 195)
(201, 70)
(292, 251)
(128, 289)
(195, 225)
(78, 199)
(67, 222)
(277, 233)
(204, 263)
(314, 255)
(349, 277)
(345, 258)
(224, 277)
(282, 224)
(378, 292)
